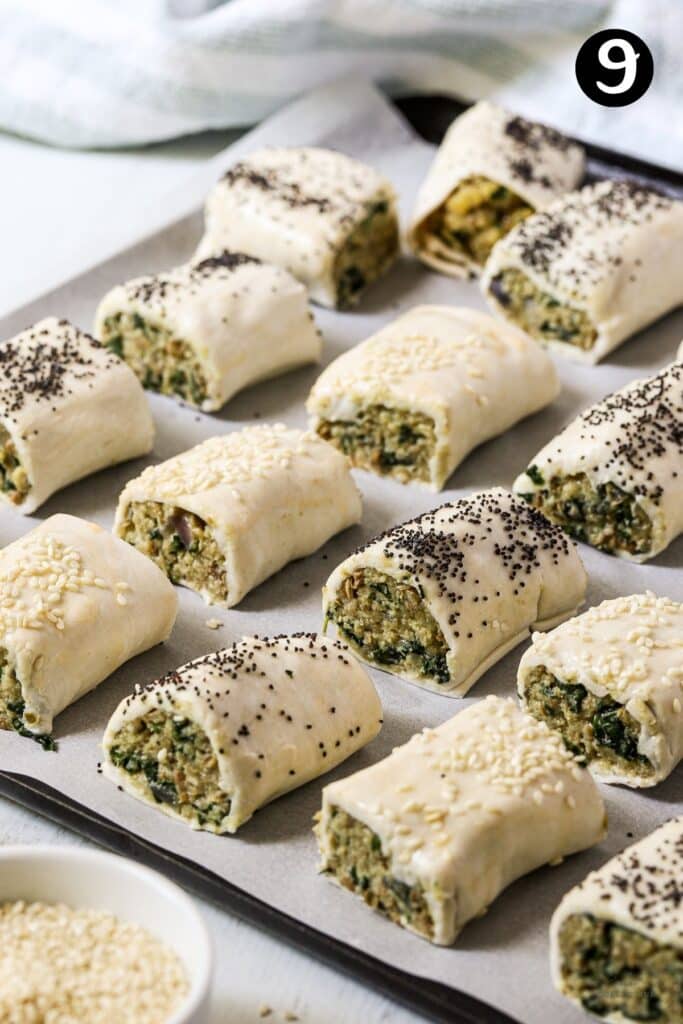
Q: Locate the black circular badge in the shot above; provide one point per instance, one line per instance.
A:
(614, 67)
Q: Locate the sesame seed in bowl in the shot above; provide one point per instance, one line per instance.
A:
(87, 936)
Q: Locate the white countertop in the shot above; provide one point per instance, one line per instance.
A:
(59, 212)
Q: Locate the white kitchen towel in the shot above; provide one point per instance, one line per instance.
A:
(106, 73)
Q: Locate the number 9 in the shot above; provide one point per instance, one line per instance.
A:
(629, 64)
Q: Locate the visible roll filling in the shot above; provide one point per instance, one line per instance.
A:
(598, 729)
(13, 713)
(477, 213)
(612, 969)
(391, 442)
(160, 361)
(14, 481)
(357, 862)
(539, 313)
(180, 543)
(389, 623)
(603, 515)
(170, 758)
(368, 251)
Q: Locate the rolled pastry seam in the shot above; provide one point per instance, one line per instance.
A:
(616, 940)
(434, 832)
(227, 733)
(414, 399)
(327, 218)
(68, 408)
(586, 274)
(440, 599)
(75, 604)
(223, 516)
(206, 330)
(492, 170)
(611, 683)
(613, 477)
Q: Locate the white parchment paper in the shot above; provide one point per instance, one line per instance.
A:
(503, 957)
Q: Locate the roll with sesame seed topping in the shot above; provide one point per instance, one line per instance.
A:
(492, 170)
(585, 274)
(227, 733)
(433, 833)
(223, 516)
(610, 682)
(75, 604)
(440, 599)
(68, 408)
(613, 477)
(616, 939)
(414, 399)
(327, 218)
(206, 330)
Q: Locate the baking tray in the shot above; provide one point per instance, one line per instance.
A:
(429, 116)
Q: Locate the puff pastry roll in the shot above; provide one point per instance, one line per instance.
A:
(227, 733)
(433, 833)
(328, 219)
(441, 598)
(68, 408)
(585, 274)
(616, 940)
(75, 603)
(611, 682)
(613, 477)
(414, 399)
(205, 330)
(492, 170)
(230, 512)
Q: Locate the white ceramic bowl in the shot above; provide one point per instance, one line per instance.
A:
(81, 877)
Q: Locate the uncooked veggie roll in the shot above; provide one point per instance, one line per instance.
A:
(75, 603)
(205, 330)
(225, 515)
(586, 274)
(441, 598)
(492, 170)
(433, 833)
(227, 733)
(413, 400)
(611, 683)
(617, 938)
(328, 219)
(68, 408)
(613, 477)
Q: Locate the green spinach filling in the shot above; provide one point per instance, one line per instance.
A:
(13, 707)
(171, 759)
(603, 515)
(369, 250)
(612, 969)
(14, 481)
(599, 729)
(388, 622)
(540, 314)
(160, 361)
(387, 441)
(357, 862)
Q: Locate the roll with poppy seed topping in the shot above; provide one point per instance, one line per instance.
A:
(206, 330)
(227, 733)
(586, 273)
(223, 516)
(441, 598)
(433, 833)
(610, 681)
(68, 408)
(327, 218)
(492, 170)
(613, 477)
(616, 939)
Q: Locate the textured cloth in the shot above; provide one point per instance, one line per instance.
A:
(88, 73)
